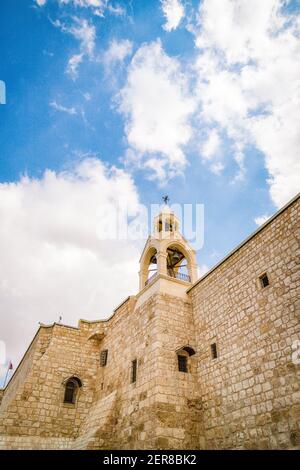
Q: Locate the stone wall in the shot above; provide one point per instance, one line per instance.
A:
(250, 393)
(33, 405)
(177, 400)
(159, 410)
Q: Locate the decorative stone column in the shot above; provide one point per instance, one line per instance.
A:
(143, 276)
(162, 263)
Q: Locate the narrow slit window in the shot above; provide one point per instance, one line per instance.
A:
(133, 371)
(214, 351)
(71, 389)
(103, 357)
(264, 280)
(182, 363)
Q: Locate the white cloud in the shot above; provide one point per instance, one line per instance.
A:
(87, 96)
(211, 151)
(173, 11)
(157, 108)
(73, 64)
(261, 219)
(217, 168)
(117, 10)
(85, 33)
(248, 84)
(97, 6)
(83, 3)
(63, 109)
(54, 260)
(212, 145)
(117, 51)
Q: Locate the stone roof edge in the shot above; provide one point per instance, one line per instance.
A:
(24, 355)
(41, 325)
(244, 242)
(103, 320)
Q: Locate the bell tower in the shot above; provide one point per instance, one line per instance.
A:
(167, 255)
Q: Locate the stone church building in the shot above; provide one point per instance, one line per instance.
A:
(187, 363)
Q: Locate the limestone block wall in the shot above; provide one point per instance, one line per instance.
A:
(163, 399)
(161, 409)
(177, 400)
(113, 420)
(15, 396)
(33, 405)
(123, 413)
(250, 393)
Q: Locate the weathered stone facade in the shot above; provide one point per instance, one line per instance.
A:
(246, 398)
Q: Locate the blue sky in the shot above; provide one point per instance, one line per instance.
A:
(197, 100)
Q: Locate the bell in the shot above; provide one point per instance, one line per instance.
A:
(176, 256)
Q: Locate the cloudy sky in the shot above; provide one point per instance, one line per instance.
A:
(114, 100)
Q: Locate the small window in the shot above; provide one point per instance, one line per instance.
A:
(264, 280)
(71, 388)
(182, 363)
(214, 351)
(103, 357)
(133, 371)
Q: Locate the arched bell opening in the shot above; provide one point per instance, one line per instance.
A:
(149, 266)
(152, 267)
(177, 264)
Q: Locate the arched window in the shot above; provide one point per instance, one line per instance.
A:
(183, 355)
(71, 388)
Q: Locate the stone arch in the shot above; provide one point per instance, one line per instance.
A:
(187, 349)
(174, 266)
(183, 355)
(71, 385)
(147, 263)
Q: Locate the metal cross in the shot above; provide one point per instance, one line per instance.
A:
(166, 199)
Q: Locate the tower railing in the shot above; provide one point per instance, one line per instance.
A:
(180, 276)
(183, 277)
